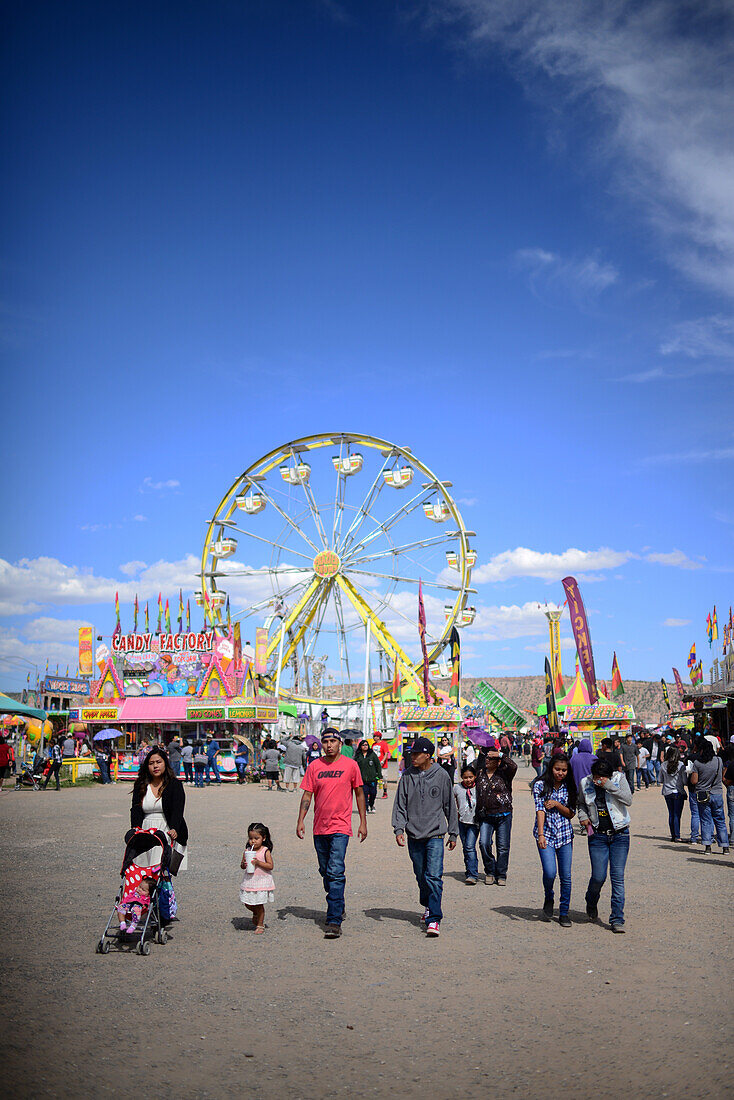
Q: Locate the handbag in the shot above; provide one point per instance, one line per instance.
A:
(167, 905)
(178, 851)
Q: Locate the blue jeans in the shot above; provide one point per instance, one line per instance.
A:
(104, 769)
(654, 768)
(331, 851)
(712, 816)
(212, 763)
(642, 774)
(674, 803)
(608, 850)
(427, 857)
(370, 793)
(241, 766)
(502, 826)
(198, 775)
(469, 833)
(695, 818)
(188, 768)
(730, 807)
(560, 857)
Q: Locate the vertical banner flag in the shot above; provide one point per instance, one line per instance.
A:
(550, 699)
(678, 684)
(168, 619)
(692, 657)
(118, 628)
(86, 660)
(455, 643)
(180, 610)
(709, 628)
(395, 690)
(188, 616)
(158, 629)
(558, 683)
(666, 697)
(617, 685)
(603, 689)
(135, 614)
(424, 650)
(715, 626)
(147, 619)
(261, 651)
(580, 627)
(229, 616)
(237, 655)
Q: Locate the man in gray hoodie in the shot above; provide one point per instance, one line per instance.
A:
(425, 809)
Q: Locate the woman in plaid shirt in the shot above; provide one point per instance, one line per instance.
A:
(555, 805)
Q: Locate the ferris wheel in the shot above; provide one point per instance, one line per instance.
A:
(324, 541)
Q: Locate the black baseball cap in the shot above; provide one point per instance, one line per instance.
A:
(422, 744)
(331, 732)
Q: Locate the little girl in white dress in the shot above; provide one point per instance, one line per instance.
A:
(257, 887)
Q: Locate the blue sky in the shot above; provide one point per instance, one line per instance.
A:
(501, 234)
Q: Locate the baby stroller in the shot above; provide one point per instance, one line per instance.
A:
(147, 856)
(30, 774)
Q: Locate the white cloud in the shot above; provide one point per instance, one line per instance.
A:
(508, 621)
(652, 375)
(676, 558)
(140, 519)
(47, 629)
(661, 79)
(12, 646)
(581, 277)
(523, 562)
(677, 622)
(151, 486)
(469, 502)
(542, 647)
(704, 337)
(132, 568)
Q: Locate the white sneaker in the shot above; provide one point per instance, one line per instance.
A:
(433, 929)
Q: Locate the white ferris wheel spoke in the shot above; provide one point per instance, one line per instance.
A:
(251, 608)
(435, 540)
(406, 580)
(313, 506)
(268, 542)
(393, 610)
(338, 499)
(368, 502)
(401, 513)
(260, 489)
(342, 636)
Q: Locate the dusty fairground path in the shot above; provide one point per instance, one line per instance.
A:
(500, 1004)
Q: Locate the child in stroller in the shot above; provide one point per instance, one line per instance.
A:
(144, 867)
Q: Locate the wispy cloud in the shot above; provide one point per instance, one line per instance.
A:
(676, 558)
(713, 454)
(677, 622)
(550, 274)
(704, 337)
(522, 562)
(661, 78)
(654, 374)
(468, 502)
(151, 486)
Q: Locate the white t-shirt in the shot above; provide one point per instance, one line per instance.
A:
(642, 755)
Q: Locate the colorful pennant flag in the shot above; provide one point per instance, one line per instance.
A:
(168, 619)
(147, 620)
(709, 629)
(424, 649)
(678, 684)
(229, 616)
(692, 656)
(188, 616)
(158, 628)
(715, 626)
(237, 654)
(180, 610)
(558, 684)
(455, 643)
(135, 614)
(617, 685)
(395, 689)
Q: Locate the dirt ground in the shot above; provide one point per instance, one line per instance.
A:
(501, 1004)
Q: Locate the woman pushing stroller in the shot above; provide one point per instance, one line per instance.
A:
(158, 802)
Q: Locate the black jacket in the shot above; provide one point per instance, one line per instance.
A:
(172, 807)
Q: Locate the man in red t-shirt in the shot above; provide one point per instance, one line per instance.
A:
(329, 781)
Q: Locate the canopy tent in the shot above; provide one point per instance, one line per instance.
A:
(289, 709)
(576, 696)
(22, 710)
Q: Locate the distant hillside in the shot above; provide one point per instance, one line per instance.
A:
(527, 692)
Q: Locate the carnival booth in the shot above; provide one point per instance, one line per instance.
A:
(582, 718)
(153, 687)
(434, 722)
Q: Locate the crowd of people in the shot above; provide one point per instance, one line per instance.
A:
(435, 806)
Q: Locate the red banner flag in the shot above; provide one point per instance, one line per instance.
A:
(617, 685)
(678, 684)
(395, 689)
(424, 649)
(582, 636)
(455, 643)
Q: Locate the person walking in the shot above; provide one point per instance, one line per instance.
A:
(329, 782)
(554, 795)
(673, 776)
(602, 806)
(536, 757)
(466, 806)
(369, 765)
(706, 778)
(629, 760)
(103, 762)
(728, 781)
(382, 749)
(199, 764)
(187, 761)
(494, 811)
(581, 761)
(294, 757)
(174, 755)
(241, 760)
(56, 756)
(270, 761)
(5, 757)
(446, 758)
(212, 753)
(425, 809)
(643, 755)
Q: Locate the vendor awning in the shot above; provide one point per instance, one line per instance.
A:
(154, 708)
(12, 706)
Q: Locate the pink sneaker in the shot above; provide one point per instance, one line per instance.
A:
(426, 915)
(433, 928)
(123, 926)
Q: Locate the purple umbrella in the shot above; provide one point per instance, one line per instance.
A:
(107, 734)
(481, 738)
(312, 739)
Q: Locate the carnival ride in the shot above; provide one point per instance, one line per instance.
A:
(325, 539)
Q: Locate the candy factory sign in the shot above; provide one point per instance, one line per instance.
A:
(203, 642)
